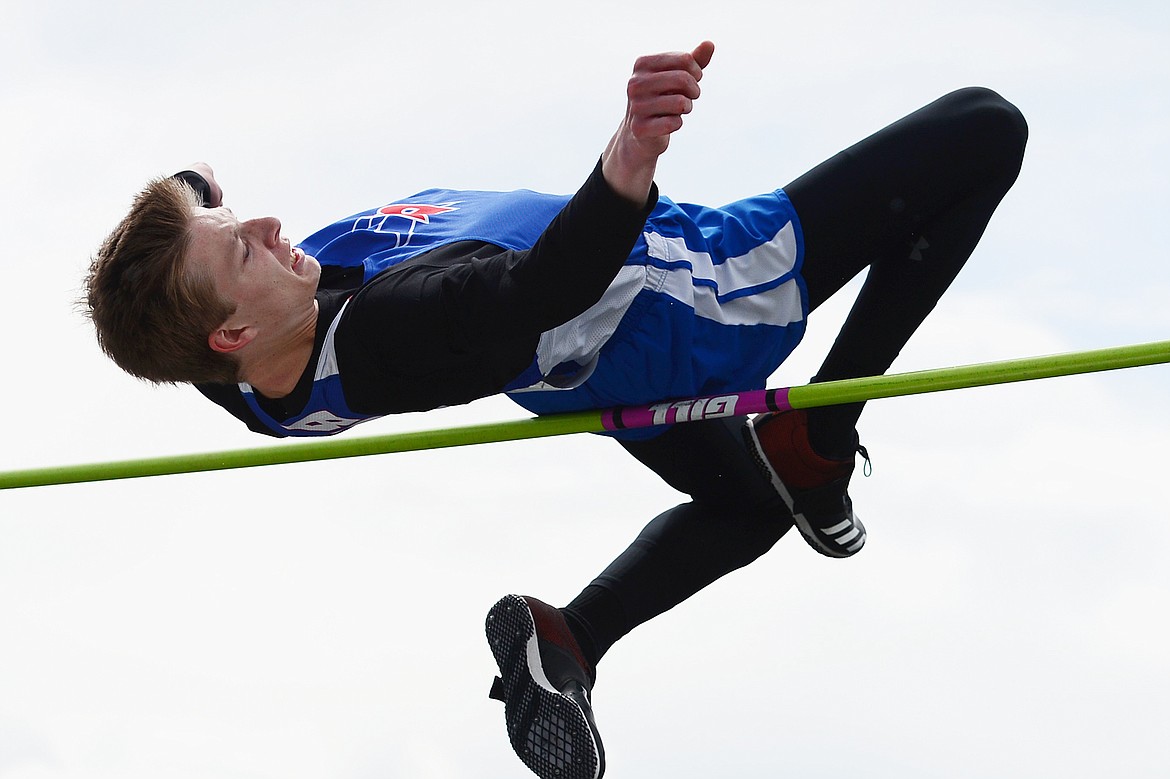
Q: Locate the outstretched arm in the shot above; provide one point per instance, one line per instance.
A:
(661, 90)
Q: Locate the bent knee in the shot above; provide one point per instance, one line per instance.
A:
(993, 115)
(996, 130)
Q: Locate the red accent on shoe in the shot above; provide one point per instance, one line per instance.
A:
(552, 627)
(783, 436)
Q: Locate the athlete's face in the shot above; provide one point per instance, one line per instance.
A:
(271, 282)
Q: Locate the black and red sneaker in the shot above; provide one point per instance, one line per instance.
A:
(815, 488)
(544, 683)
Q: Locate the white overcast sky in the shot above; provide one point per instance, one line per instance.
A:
(1008, 617)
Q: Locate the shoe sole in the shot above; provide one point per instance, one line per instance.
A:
(549, 732)
(802, 524)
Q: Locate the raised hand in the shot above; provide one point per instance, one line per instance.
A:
(660, 92)
(204, 170)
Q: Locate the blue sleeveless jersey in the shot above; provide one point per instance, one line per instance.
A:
(709, 300)
(386, 236)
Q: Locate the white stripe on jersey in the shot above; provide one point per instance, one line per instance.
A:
(765, 263)
(581, 338)
(698, 282)
(327, 363)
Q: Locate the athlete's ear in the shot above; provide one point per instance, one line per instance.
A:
(226, 339)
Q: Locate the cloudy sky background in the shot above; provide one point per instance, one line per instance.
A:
(1008, 617)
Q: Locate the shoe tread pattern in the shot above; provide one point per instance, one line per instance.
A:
(548, 730)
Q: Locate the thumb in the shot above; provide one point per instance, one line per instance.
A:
(703, 53)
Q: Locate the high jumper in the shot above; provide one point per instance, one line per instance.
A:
(614, 296)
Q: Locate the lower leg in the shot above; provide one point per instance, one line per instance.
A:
(911, 202)
(899, 293)
(679, 553)
(734, 518)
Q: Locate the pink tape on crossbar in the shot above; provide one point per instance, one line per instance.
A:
(695, 409)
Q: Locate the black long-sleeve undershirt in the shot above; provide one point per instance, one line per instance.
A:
(461, 321)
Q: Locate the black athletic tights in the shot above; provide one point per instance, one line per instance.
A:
(910, 203)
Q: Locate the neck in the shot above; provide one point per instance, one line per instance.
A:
(275, 370)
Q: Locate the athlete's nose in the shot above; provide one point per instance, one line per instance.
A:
(268, 229)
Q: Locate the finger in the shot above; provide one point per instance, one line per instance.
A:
(675, 60)
(671, 82)
(661, 105)
(646, 128)
(703, 53)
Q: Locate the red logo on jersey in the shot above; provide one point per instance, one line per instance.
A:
(414, 211)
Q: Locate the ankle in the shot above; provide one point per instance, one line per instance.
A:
(832, 432)
(582, 635)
